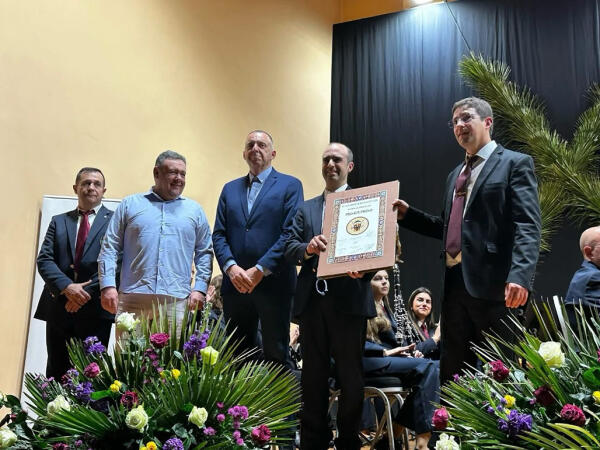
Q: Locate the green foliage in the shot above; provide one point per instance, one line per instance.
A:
(567, 171)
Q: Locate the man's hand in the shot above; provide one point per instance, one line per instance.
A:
(240, 279)
(72, 307)
(210, 293)
(316, 245)
(401, 207)
(255, 276)
(76, 294)
(196, 300)
(109, 299)
(515, 295)
(354, 274)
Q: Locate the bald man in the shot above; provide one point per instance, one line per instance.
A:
(585, 284)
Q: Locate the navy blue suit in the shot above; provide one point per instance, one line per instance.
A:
(55, 265)
(585, 289)
(501, 231)
(332, 325)
(419, 374)
(258, 237)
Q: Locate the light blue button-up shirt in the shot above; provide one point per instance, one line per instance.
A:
(159, 240)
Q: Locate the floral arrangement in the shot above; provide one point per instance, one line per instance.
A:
(539, 392)
(166, 387)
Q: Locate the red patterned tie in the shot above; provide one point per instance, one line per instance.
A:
(425, 330)
(453, 237)
(84, 229)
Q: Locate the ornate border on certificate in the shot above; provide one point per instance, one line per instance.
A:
(360, 228)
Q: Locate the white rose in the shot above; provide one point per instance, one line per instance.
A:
(7, 437)
(58, 404)
(137, 418)
(446, 442)
(198, 416)
(126, 321)
(552, 353)
(209, 355)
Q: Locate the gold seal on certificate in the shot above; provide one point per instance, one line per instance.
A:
(360, 228)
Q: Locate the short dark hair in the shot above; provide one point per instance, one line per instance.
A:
(482, 108)
(264, 132)
(86, 170)
(168, 154)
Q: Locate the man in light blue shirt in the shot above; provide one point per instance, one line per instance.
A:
(159, 233)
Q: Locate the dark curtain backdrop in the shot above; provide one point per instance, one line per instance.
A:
(395, 78)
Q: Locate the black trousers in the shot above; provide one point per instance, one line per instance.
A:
(464, 319)
(327, 333)
(59, 334)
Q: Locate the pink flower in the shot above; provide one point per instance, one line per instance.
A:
(572, 414)
(261, 435)
(598, 352)
(499, 370)
(92, 370)
(129, 399)
(544, 396)
(159, 340)
(220, 417)
(440, 418)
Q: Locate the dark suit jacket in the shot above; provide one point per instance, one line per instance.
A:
(352, 296)
(501, 226)
(55, 265)
(257, 237)
(585, 286)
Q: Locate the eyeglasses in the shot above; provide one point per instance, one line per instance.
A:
(464, 118)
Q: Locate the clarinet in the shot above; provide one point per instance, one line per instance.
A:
(405, 333)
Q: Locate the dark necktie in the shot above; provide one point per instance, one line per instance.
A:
(425, 330)
(84, 229)
(253, 192)
(453, 237)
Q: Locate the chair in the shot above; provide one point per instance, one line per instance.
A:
(389, 390)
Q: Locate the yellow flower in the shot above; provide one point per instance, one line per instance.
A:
(163, 374)
(114, 387)
(144, 448)
(176, 373)
(510, 401)
(151, 446)
(596, 396)
(209, 355)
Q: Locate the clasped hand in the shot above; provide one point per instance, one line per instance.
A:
(244, 280)
(76, 296)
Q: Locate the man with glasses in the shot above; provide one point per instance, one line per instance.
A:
(490, 228)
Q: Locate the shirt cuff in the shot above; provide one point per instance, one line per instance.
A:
(201, 286)
(228, 264)
(266, 272)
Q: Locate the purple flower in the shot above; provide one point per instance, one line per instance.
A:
(515, 423)
(68, 378)
(220, 417)
(220, 405)
(490, 410)
(499, 370)
(261, 435)
(209, 431)
(239, 442)
(92, 370)
(238, 412)
(93, 346)
(159, 340)
(173, 444)
(572, 414)
(544, 396)
(456, 377)
(237, 434)
(83, 391)
(129, 399)
(598, 352)
(440, 418)
(197, 342)
(60, 446)
(101, 405)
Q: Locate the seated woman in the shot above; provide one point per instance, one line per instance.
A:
(383, 357)
(419, 309)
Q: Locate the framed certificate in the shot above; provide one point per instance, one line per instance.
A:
(360, 228)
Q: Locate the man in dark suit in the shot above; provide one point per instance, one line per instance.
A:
(248, 240)
(70, 301)
(490, 228)
(333, 316)
(584, 288)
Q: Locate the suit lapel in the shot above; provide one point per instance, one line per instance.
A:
(486, 170)
(316, 215)
(71, 226)
(269, 183)
(101, 218)
(243, 194)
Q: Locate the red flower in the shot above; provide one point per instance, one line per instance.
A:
(499, 370)
(129, 399)
(261, 435)
(544, 396)
(572, 414)
(598, 352)
(92, 370)
(159, 340)
(440, 418)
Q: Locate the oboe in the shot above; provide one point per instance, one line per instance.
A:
(406, 333)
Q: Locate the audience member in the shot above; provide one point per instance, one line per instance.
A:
(160, 234)
(384, 357)
(419, 308)
(249, 239)
(332, 319)
(70, 301)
